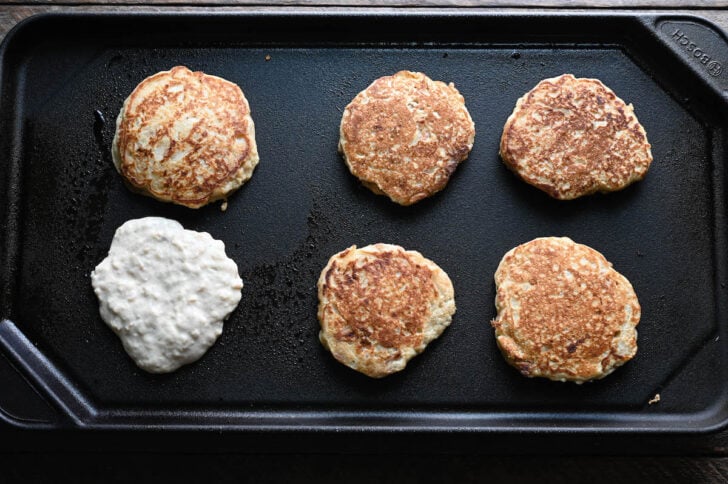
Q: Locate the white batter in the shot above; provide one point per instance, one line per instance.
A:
(165, 291)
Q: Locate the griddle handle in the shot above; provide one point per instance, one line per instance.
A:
(702, 45)
(20, 404)
(33, 392)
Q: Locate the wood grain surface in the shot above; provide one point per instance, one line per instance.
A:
(408, 3)
(696, 459)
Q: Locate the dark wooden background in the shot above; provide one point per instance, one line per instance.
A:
(28, 458)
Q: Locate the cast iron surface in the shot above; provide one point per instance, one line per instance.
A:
(64, 79)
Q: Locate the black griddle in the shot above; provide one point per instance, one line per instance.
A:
(64, 78)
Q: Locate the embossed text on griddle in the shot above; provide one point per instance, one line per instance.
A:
(713, 67)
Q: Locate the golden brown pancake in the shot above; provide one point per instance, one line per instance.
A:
(381, 305)
(185, 137)
(563, 312)
(572, 137)
(404, 135)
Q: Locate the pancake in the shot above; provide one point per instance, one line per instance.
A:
(405, 134)
(185, 137)
(573, 137)
(563, 312)
(165, 292)
(381, 305)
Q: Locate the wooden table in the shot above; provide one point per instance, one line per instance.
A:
(685, 459)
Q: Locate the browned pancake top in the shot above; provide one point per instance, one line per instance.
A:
(572, 137)
(184, 135)
(563, 311)
(382, 300)
(381, 305)
(405, 135)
